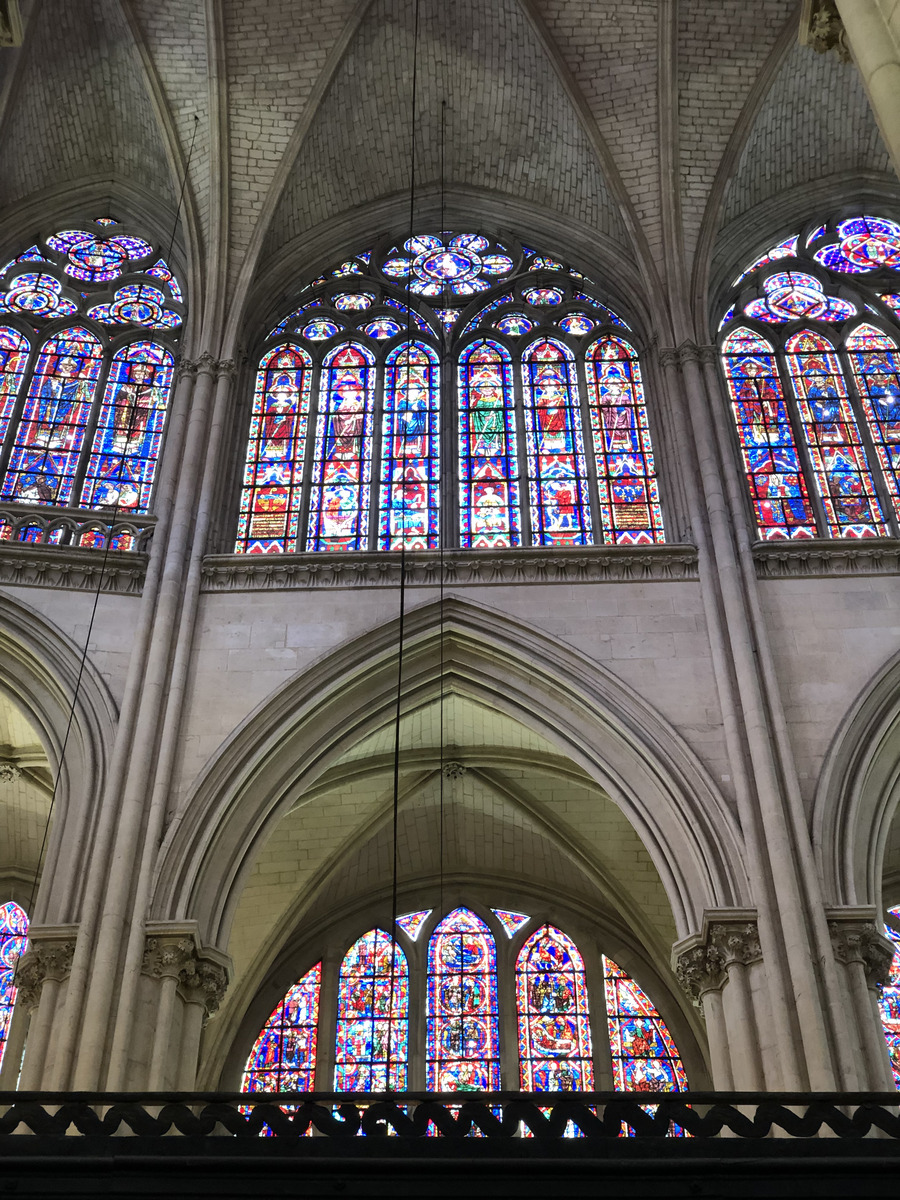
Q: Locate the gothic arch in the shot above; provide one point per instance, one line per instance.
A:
(40, 670)
(615, 736)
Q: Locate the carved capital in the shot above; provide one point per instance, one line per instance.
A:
(172, 950)
(822, 29)
(48, 956)
(860, 941)
(226, 367)
(668, 357)
(204, 982)
(736, 942)
(185, 366)
(700, 969)
(729, 936)
(165, 957)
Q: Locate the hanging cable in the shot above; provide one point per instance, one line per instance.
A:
(445, 425)
(402, 614)
(108, 546)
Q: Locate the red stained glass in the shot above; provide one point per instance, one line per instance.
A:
(371, 1045)
(283, 1058)
(13, 934)
(489, 490)
(889, 1002)
(14, 350)
(409, 500)
(876, 371)
(645, 1058)
(554, 1023)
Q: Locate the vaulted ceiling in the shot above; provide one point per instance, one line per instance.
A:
(637, 126)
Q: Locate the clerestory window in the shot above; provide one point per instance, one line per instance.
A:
(810, 352)
(449, 390)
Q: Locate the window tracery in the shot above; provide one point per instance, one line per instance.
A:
(809, 352)
(83, 406)
(537, 435)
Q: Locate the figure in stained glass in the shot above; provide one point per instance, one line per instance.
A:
(14, 350)
(889, 1000)
(552, 1006)
(371, 1045)
(410, 471)
(876, 369)
(13, 933)
(489, 494)
(462, 1044)
(645, 1058)
(283, 1058)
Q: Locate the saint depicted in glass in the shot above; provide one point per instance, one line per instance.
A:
(14, 349)
(410, 456)
(552, 1006)
(876, 372)
(371, 1046)
(889, 1001)
(13, 935)
(489, 489)
(645, 1059)
(462, 1039)
(283, 1058)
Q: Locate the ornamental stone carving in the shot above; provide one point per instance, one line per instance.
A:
(860, 941)
(172, 951)
(700, 969)
(454, 770)
(729, 937)
(822, 29)
(9, 771)
(203, 982)
(48, 956)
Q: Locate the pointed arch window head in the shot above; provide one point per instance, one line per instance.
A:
(13, 939)
(81, 424)
(529, 437)
(554, 1022)
(372, 1041)
(283, 1058)
(645, 1058)
(813, 387)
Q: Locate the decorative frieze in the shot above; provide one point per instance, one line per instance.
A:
(22, 565)
(172, 950)
(601, 564)
(856, 938)
(702, 961)
(823, 559)
(49, 955)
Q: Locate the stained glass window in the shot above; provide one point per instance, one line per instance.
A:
(557, 477)
(629, 494)
(342, 462)
(840, 465)
(371, 1045)
(13, 933)
(889, 1002)
(14, 349)
(270, 500)
(644, 1056)
(283, 1058)
(511, 921)
(771, 460)
(876, 371)
(408, 513)
(489, 489)
(523, 469)
(462, 1038)
(412, 923)
(554, 1023)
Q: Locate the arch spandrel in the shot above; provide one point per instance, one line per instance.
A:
(605, 727)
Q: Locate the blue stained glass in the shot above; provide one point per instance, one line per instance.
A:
(557, 477)
(412, 923)
(630, 510)
(93, 259)
(576, 324)
(408, 314)
(160, 270)
(794, 295)
(777, 484)
(34, 294)
(372, 1038)
(514, 324)
(451, 262)
(382, 328)
(645, 1058)
(785, 249)
(463, 1038)
(14, 349)
(608, 314)
(554, 1022)
(320, 330)
(13, 934)
(448, 317)
(511, 921)
(488, 484)
(270, 499)
(136, 304)
(498, 302)
(409, 509)
(342, 460)
(875, 361)
(283, 1058)
(543, 297)
(866, 243)
(889, 1002)
(51, 431)
(129, 430)
(353, 301)
(539, 263)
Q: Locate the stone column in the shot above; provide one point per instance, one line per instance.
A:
(870, 29)
(184, 984)
(865, 955)
(42, 973)
(713, 968)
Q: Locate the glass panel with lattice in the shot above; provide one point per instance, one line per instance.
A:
(630, 512)
(462, 1042)
(645, 1058)
(852, 507)
(129, 431)
(13, 934)
(14, 348)
(409, 508)
(488, 470)
(876, 369)
(371, 1045)
(552, 1007)
(557, 478)
(49, 438)
(889, 1001)
(283, 1058)
(342, 462)
(771, 460)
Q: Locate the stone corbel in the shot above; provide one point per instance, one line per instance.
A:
(729, 936)
(855, 937)
(822, 29)
(172, 949)
(49, 955)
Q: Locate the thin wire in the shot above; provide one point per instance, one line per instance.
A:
(103, 564)
(402, 616)
(445, 340)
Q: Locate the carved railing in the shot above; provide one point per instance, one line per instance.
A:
(45, 525)
(545, 1116)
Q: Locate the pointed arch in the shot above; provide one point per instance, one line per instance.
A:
(283, 1058)
(462, 1043)
(13, 937)
(553, 1015)
(372, 1039)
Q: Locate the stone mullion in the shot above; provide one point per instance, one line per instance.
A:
(517, 367)
(449, 472)
(377, 456)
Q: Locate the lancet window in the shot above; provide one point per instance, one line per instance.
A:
(455, 391)
(810, 354)
(443, 977)
(89, 319)
(13, 936)
(889, 998)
